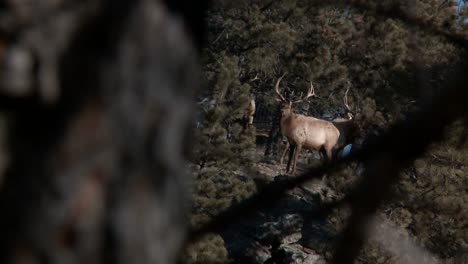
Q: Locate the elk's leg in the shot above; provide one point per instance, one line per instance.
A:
(291, 153)
(336, 153)
(251, 118)
(329, 154)
(324, 177)
(296, 155)
(284, 153)
(323, 154)
(328, 158)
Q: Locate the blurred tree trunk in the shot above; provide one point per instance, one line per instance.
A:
(96, 98)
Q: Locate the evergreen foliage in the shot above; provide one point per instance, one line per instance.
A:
(209, 250)
(332, 46)
(222, 152)
(435, 192)
(221, 141)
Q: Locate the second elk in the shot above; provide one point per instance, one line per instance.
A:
(347, 127)
(304, 131)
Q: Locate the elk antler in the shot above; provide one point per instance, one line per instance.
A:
(277, 88)
(350, 113)
(345, 100)
(255, 78)
(310, 93)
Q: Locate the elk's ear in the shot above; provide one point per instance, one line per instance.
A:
(278, 100)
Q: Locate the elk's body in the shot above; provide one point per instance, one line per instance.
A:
(309, 132)
(305, 131)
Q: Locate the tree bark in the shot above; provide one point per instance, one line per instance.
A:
(98, 134)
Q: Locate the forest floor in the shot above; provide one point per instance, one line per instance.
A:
(278, 234)
(269, 169)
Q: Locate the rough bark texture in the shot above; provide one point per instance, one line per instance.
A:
(97, 98)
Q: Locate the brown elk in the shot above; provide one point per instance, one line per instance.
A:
(249, 113)
(304, 131)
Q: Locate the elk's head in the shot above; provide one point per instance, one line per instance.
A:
(287, 105)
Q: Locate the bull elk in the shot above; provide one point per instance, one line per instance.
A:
(304, 131)
(346, 126)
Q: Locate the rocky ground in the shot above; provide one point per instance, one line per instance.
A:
(279, 235)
